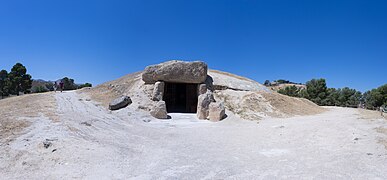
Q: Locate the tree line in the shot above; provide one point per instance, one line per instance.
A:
(317, 91)
(17, 80)
(69, 84)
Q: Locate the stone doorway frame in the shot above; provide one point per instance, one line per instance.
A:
(181, 97)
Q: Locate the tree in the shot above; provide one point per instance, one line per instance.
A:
(355, 99)
(282, 81)
(316, 90)
(290, 91)
(69, 84)
(348, 97)
(332, 96)
(4, 83)
(39, 89)
(19, 79)
(49, 86)
(84, 85)
(376, 97)
(267, 83)
(383, 91)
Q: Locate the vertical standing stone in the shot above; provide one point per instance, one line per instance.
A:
(202, 89)
(158, 91)
(159, 111)
(216, 111)
(204, 101)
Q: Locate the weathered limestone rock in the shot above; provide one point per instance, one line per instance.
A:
(216, 111)
(176, 71)
(158, 91)
(202, 89)
(120, 102)
(204, 101)
(159, 111)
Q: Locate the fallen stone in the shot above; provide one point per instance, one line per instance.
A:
(216, 111)
(159, 111)
(120, 102)
(176, 71)
(158, 91)
(204, 101)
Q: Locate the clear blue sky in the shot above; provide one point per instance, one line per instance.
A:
(97, 41)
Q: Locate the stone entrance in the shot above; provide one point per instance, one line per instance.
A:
(182, 87)
(181, 97)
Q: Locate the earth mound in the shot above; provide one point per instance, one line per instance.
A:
(243, 97)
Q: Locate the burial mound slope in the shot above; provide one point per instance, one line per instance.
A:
(244, 97)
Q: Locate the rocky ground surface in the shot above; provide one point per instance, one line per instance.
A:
(70, 135)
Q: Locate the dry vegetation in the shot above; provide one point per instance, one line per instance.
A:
(291, 105)
(282, 86)
(27, 106)
(108, 91)
(229, 74)
(256, 105)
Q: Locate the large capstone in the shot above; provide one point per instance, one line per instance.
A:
(120, 102)
(176, 71)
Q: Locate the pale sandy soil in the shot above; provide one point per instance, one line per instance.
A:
(15, 112)
(90, 142)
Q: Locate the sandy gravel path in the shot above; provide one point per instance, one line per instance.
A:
(90, 142)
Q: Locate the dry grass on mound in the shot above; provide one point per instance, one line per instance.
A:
(14, 112)
(248, 104)
(230, 75)
(292, 106)
(256, 105)
(108, 91)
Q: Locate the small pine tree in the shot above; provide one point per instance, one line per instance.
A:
(317, 91)
(267, 83)
(19, 79)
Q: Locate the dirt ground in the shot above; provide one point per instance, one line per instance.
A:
(86, 141)
(16, 110)
(372, 116)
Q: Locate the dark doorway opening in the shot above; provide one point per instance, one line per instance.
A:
(181, 97)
